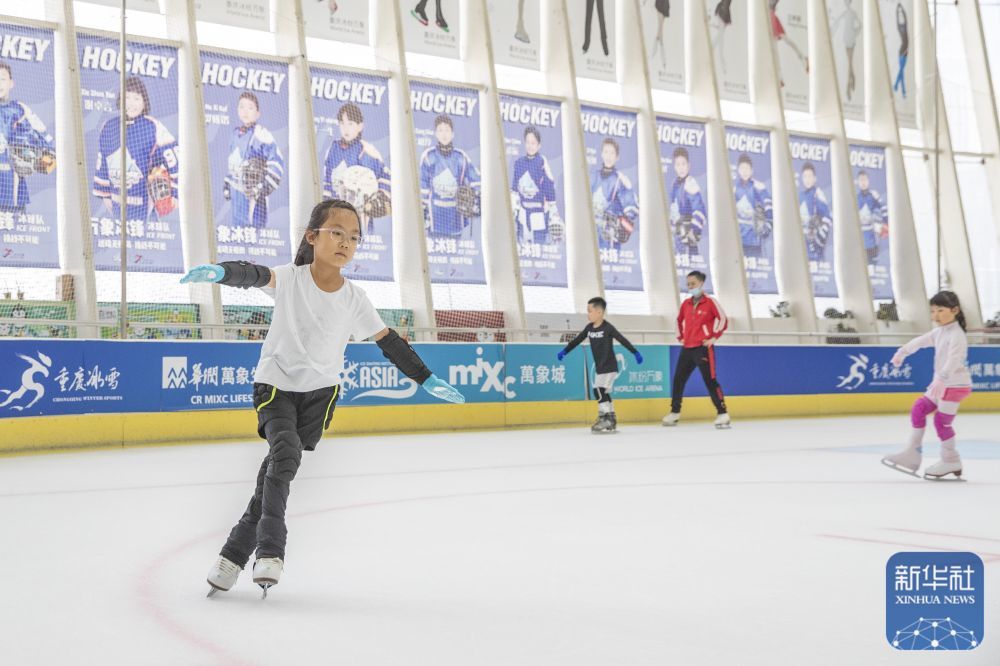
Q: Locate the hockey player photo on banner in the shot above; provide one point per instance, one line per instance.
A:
(727, 28)
(446, 123)
(152, 220)
(663, 28)
(343, 21)
(246, 124)
(846, 25)
(431, 26)
(814, 183)
(533, 136)
(351, 112)
(870, 180)
(592, 33)
(750, 167)
(612, 147)
(28, 214)
(790, 31)
(898, 27)
(516, 27)
(684, 160)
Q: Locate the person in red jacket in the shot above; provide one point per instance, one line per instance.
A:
(700, 324)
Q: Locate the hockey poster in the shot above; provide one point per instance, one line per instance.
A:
(246, 124)
(663, 28)
(516, 27)
(153, 228)
(846, 32)
(898, 28)
(814, 184)
(28, 214)
(750, 169)
(254, 14)
(533, 136)
(351, 113)
(592, 33)
(868, 169)
(727, 28)
(343, 21)
(684, 161)
(612, 147)
(446, 124)
(790, 32)
(432, 26)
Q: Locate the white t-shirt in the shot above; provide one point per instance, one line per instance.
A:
(951, 348)
(304, 347)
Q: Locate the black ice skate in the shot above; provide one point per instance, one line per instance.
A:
(441, 23)
(605, 425)
(420, 15)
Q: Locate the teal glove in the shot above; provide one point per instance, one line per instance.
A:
(442, 390)
(204, 273)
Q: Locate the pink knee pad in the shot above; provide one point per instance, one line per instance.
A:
(942, 423)
(922, 408)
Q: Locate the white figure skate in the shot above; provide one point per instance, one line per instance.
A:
(723, 422)
(222, 576)
(267, 572)
(671, 419)
(940, 471)
(907, 461)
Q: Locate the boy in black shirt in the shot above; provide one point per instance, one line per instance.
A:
(602, 336)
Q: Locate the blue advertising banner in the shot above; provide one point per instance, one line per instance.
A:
(684, 162)
(649, 380)
(534, 373)
(153, 227)
(446, 122)
(351, 113)
(28, 213)
(750, 166)
(814, 182)
(533, 134)
(246, 124)
(612, 146)
(868, 169)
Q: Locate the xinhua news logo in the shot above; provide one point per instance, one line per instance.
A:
(934, 601)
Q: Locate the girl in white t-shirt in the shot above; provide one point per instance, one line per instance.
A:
(297, 381)
(951, 385)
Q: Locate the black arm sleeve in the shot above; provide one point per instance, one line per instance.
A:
(243, 274)
(622, 339)
(574, 343)
(399, 351)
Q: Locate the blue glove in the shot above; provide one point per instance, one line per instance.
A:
(638, 358)
(561, 355)
(204, 273)
(442, 390)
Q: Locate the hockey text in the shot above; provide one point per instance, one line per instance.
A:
(136, 62)
(868, 159)
(747, 143)
(345, 90)
(19, 47)
(242, 77)
(606, 124)
(438, 102)
(814, 152)
(680, 135)
(526, 113)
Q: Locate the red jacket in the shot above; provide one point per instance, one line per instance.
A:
(697, 323)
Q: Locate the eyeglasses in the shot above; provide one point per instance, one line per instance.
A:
(340, 236)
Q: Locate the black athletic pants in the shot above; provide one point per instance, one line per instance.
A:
(601, 24)
(290, 422)
(702, 358)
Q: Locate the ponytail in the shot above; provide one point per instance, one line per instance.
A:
(949, 299)
(320, 212)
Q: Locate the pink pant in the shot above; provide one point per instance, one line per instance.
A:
(946, 410)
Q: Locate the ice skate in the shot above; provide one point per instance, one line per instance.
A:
(603, 426)
(420, 15)
(441, 23)
(940, 470)
(907, 462)
(222, 576)
(671, 419)
(522, 36)
(723, 422)
(267, 572)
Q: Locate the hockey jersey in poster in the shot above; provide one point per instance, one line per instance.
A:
(535, 188)
(345, 154)
(18, 127)
(615, 207)
(688, 214)
(817, 222)
(873, 215)
(444, 169)
(148, 144)
(249, 199)
(754, 212)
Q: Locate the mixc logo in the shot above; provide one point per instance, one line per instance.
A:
(488, 376)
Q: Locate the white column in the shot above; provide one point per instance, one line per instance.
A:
(725, 248)
(583, 261)
(76, 244)
(656, 246)
(848, 242)
(790, 263)
(503, 269)
(409, 241)
(956, 259)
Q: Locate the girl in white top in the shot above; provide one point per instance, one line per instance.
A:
(297, 381)
(952, 383)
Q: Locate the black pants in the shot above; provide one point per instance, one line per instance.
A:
(290, 422)
(600, 21)
(422, 6)
(702, 358)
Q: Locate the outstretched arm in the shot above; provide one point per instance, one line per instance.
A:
(574, 343)
(403, 356)
(919, 342)
(241, 274)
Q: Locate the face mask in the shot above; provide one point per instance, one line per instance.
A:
(695, 291)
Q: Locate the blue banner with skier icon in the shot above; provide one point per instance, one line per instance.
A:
(750, 166)
(246, 125)
(814, 183)
(153, 228)
(870, 181)
(351, 113)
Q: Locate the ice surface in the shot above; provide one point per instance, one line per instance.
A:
(764, 544)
